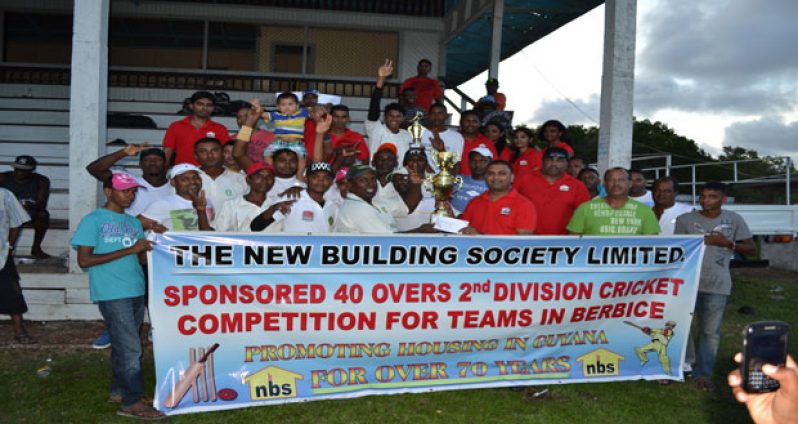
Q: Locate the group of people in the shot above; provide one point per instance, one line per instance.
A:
(310, 173)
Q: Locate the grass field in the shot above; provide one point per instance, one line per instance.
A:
(76, 390)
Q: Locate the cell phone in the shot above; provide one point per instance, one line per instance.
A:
(764, 342)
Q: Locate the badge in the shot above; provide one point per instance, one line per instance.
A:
(523, 163)
(210, 134)
(564, 188)
(307, 215)
(505, 211)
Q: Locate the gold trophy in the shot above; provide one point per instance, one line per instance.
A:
(415, 129)
(443, 184)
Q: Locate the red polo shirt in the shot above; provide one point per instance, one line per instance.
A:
(528, 162)
(502, 217)
(181, 136)
(555, 203)
(350, 137)
(469, 145)
(427, 90)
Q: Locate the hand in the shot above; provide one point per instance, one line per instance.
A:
(292, 192)
(415, 177)
(717, 239)
(158, 228)
(142, 245)
(252, 117)
(646, 330)
(776, 407)
(426, 228)
(470, 231)
(134, 149)
(386, 69)
(283, 207)
(324, 123)
(437, 143)
(198, 202)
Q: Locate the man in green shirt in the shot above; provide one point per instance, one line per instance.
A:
(616, 214)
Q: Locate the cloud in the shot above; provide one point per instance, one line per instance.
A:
(768, 136)
(567, 113)
(728, 56)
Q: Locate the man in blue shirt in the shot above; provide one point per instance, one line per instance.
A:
(111, 244)
(473, 185)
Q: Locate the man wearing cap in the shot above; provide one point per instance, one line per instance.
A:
(187, 209)
(347, 146)
(492, 87)
(219, 183)
(500, 210)
(474, 184)
(310, 213)
(33, 192)
(616, 214)
(153, 184)
(409, 183)
(178, 143)
(438, 137)
(385, 163)
(469, 129)
(237, 214)
(391, 132)
(555, 194)
(112, 245)
(12, 216)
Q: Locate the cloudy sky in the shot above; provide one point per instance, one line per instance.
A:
(719, 72)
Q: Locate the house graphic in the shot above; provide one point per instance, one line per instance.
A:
(272, 383)
(600, 363)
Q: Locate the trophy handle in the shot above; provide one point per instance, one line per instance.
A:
(458, 181)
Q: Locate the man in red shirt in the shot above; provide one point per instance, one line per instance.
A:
(500, 210)
(472, 138)
(344, 141)
(178, 143)
(428, 90)
(556, 194)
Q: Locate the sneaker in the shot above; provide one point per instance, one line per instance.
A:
(102, 342)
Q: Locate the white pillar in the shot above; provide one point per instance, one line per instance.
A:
(496, 39)
(88, 100)
(617, 84)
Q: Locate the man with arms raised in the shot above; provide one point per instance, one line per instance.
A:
(725, 233)
(500, 210)
(556, 194)
(178, 143)
(616, 214)
(391, 131)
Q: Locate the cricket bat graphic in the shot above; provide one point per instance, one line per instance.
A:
(187, 379)
(633, 325)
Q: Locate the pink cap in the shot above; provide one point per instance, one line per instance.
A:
(122, 181)
(341, 174)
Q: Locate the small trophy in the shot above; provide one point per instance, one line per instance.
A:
(416, 129)
(443, 184)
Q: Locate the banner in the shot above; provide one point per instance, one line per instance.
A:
(243, 320)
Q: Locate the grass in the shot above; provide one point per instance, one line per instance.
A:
(76, 391)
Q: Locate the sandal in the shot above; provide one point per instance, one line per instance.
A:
(25, 339)
(141, 411)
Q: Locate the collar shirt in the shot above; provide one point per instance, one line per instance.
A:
(181, 136)
(452, 141)
(505, 216)
(236, 215)
(667, 221)
(228, 185)
(528, 162)
(147, 194)
(378, 134)
(358, 216)
(388, 197)
(12, 215)
(555, 202)
(308, 216)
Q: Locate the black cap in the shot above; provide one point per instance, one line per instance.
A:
(24, 162)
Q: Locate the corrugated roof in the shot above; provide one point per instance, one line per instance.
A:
(425, 8)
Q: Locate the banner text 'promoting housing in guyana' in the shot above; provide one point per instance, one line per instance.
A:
(243, 320)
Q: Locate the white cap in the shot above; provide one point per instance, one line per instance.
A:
(182, 168)
(484, 151)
